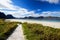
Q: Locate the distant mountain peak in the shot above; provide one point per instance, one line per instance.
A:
(2, 15)
(9, 16)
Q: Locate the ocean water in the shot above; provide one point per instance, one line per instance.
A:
(49, 20)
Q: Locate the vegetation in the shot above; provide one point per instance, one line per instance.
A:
(31, 31)
(40, 32)
(6, 28)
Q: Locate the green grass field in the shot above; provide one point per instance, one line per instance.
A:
(40, 32)
(6, 28)
(31, 31)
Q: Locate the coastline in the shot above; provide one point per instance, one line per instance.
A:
(45, 23)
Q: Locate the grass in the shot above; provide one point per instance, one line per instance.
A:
(31, 31)
(40, 32)
(6, 28)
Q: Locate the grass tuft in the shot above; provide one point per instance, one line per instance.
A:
(40, 32)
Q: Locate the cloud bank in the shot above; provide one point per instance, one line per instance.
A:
(51, 1)
(50, 13)
(8, 7)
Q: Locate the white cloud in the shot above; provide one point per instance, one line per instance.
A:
(51, 1)
(50, 13)
(19, 12)
(6, 5)
(24, 12)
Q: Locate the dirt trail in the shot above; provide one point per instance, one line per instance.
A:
(17, 34)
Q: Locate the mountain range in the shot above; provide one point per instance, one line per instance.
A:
(42, 17)
(9, 16)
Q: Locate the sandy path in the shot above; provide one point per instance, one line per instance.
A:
(17, 34)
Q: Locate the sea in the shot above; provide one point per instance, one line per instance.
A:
(49, 20)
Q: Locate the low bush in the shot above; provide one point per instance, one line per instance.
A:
(40, 32)
(6, 28)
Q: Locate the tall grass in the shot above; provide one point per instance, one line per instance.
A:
(40, 32)
(6, 28)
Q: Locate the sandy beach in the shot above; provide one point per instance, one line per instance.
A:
(45, 23)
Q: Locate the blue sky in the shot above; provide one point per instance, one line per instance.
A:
(35, 4)
(22, 8)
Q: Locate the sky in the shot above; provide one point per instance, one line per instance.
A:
(35, 8)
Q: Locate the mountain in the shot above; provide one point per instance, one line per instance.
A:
(52, 17)
(30, 17)
(9, 16)
(42, 17)
(2, 15)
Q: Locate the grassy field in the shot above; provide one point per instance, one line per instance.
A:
(31, 31)
(6, 28)
(40, 32)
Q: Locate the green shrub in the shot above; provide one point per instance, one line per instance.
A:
(6, 28)
(40, 32)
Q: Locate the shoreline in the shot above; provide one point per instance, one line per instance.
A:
(45, 23)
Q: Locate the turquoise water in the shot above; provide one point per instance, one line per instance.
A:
(43, 20)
